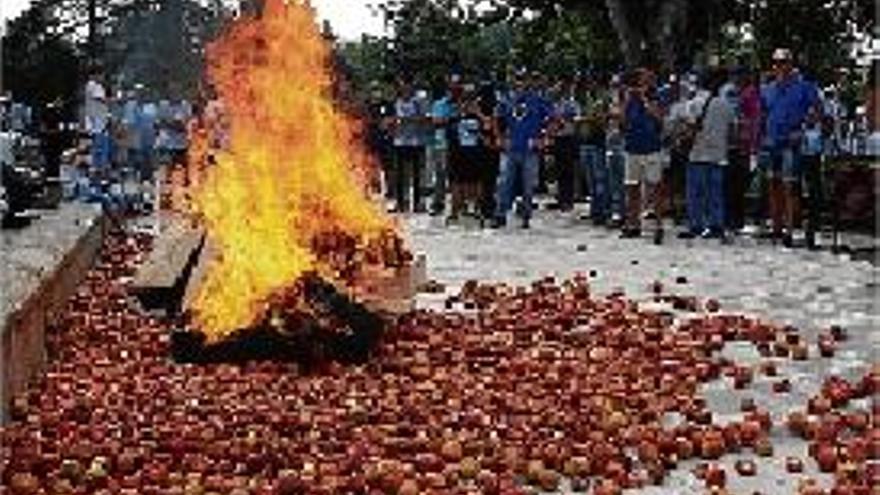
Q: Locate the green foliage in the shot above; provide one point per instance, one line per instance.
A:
(156, 43)
(39, 64)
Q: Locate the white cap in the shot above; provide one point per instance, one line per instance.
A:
(782, 54)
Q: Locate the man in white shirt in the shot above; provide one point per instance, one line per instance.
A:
(96, 113)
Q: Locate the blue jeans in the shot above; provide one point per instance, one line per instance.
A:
(593, 158)
(513, 165)
(616, 165)
(101, 150)
(705, 197)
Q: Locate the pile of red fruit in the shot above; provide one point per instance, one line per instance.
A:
(540, 386)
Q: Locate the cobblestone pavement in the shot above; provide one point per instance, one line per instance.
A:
(809, 290)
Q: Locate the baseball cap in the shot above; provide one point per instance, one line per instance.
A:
(781, 55)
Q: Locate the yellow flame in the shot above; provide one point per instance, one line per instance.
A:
(294, 168)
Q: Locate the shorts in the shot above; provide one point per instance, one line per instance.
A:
(643, 168)
(785, 163)
(466, 164)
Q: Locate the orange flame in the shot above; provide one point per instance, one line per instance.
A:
(293, 170)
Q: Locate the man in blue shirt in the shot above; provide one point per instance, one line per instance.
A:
(525, 117)
(643, 117)
(442, 110)
(409, 127)
(787, 102)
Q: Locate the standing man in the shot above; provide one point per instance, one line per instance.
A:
(643, 117)
(442, 110)
(408, 146)
(787, 101)
(706, 172)
(525, 118)
(591, 130)
(565, 147)
(380, 115)
(96, 114)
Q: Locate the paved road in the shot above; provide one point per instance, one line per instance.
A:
(810, 290)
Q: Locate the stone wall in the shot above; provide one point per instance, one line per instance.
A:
(40, 267)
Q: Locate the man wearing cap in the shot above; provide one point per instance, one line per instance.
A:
(787, 102)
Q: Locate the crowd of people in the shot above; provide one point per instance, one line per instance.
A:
(131, 131)
(640, 147)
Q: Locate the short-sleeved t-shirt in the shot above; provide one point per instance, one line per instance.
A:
(96, 110)
(786, 104)
(712, 142)
(409, 132)
(524, 117)
(468, 131)
(442, 108)
(642, 130)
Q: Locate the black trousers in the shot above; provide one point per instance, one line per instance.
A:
(565, 155)
(408, 163)
(490, 168)
(815, 203)
(737, 175)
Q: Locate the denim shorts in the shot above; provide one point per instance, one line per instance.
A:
(784, 163)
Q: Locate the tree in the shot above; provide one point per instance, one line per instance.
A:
(40, 64)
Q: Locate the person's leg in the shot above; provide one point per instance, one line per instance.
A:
(775, 193)
(616, 175)
(441, 159)
(529, 169)
(599, 204)
(717, 199)
(695, 198)
(489, 183)
(790, 176)
(654, 178)
(418, 165)
(401, 176)
(565, 158)
(735, 190)
(506, 177)
(633, 183)
(813, 171)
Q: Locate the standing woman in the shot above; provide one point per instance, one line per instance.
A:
(467, 156)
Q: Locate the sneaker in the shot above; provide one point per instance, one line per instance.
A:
(498, 223)
(787, 239)
(599, 222)
(649, 215)
(686, 234)
(525, 223)
(711, 234)
(750, 230)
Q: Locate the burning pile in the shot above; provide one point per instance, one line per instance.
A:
(539, 387)
(288, 195)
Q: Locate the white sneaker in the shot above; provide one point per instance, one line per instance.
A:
(750, 230)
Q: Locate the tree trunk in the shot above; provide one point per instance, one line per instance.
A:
(648, 30)
(629, 33)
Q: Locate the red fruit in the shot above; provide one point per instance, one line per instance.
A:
(826, 457)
